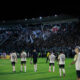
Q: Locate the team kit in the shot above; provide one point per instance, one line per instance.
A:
(52, 58)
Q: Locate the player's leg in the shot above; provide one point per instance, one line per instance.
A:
(60, 70)
(49, 67)
(21, 66)
(35, 65)
(63, 69)
(53, 67)
(25, 66)
(78, 75)
(13, 65)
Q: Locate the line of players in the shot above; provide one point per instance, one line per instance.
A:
(13, 57)
(61, 61)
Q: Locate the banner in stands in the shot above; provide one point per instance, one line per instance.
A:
(55, 29)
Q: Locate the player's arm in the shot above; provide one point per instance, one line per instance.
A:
(73, 62)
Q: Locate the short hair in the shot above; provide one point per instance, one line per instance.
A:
(77, 47)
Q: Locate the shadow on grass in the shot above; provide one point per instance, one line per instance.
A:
(8, 73)
(27, 73)
(48, 78)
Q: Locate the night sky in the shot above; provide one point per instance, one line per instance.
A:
(31, 11)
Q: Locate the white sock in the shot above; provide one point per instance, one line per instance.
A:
(49, 68)
(53, 68)
(34, 67)
(13, 68)
(60, 72)
(24, 68)
(21, 68)
(63, 71)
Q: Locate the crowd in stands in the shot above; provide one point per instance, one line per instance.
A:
(66, 36)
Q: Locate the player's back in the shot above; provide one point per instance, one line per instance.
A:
(23, 56)
(61, 59)
(35, 55)
(77, 61)
(13, 57)
(52, 58)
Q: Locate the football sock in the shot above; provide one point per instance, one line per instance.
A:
(13, 68)
(53, 68)
(24, 68)
(60, 72)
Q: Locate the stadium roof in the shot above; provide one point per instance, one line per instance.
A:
(43, 20)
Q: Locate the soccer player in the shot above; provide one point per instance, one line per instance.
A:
(13, 57)
(52, 61)
(23, 61)
(61, 59)
(34, 56)
(48, 53)
(77, 61)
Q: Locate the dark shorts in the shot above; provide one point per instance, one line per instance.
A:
(51, 64)
(34, 61)
(13, 63)
(61, 66)
(23, 62)
(78, 73)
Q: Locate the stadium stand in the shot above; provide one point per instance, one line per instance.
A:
(56, 33)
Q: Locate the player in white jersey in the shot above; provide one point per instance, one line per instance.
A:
(13, 57)
(61, 59)
(23, 61)
(52, 61)
(77, 61)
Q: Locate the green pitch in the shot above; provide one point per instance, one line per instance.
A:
(42, 73)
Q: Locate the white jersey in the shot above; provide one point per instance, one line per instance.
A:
(13, 57)
(61, 58)
(52, 58)
(77, 59)
(23, 56)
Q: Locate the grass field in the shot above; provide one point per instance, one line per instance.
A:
(42, 73)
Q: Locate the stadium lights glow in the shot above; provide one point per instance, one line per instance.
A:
(40, 17)
(55, 15)
(25, 19)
